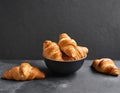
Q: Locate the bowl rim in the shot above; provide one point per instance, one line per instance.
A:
(67, 61)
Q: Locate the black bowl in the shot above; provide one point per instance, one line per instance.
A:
(66, 67)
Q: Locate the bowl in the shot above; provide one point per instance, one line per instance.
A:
(64, 67)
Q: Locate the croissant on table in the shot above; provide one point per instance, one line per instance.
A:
(51, 50)
(70, 48)
(23, 72)
(106, 66)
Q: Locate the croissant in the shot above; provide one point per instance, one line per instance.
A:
(83, 51)
(23, 72)
(70, 48)
(106, 66)
(51, 50)
(67, 58)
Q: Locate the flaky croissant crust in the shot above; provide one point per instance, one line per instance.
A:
(51, 50)
(105, 65)
(65, 49)
(70, 47)
(23, 72)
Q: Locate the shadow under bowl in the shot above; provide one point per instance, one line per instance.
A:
(64, 67)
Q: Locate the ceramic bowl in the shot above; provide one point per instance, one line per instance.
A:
(64, 67)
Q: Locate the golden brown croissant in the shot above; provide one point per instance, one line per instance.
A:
(106, 66)
(67, 58)
(23, 72)
(70, 47)
(83, 51)
(51, 50)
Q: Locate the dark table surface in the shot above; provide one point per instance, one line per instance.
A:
(85, 80)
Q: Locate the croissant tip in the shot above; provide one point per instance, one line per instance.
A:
(63, 35)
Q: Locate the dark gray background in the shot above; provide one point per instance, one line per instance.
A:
(25, 24)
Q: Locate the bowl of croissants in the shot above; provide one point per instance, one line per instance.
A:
(65, 56)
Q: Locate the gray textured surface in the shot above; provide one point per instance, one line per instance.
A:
(25, 24)
(85, 80)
